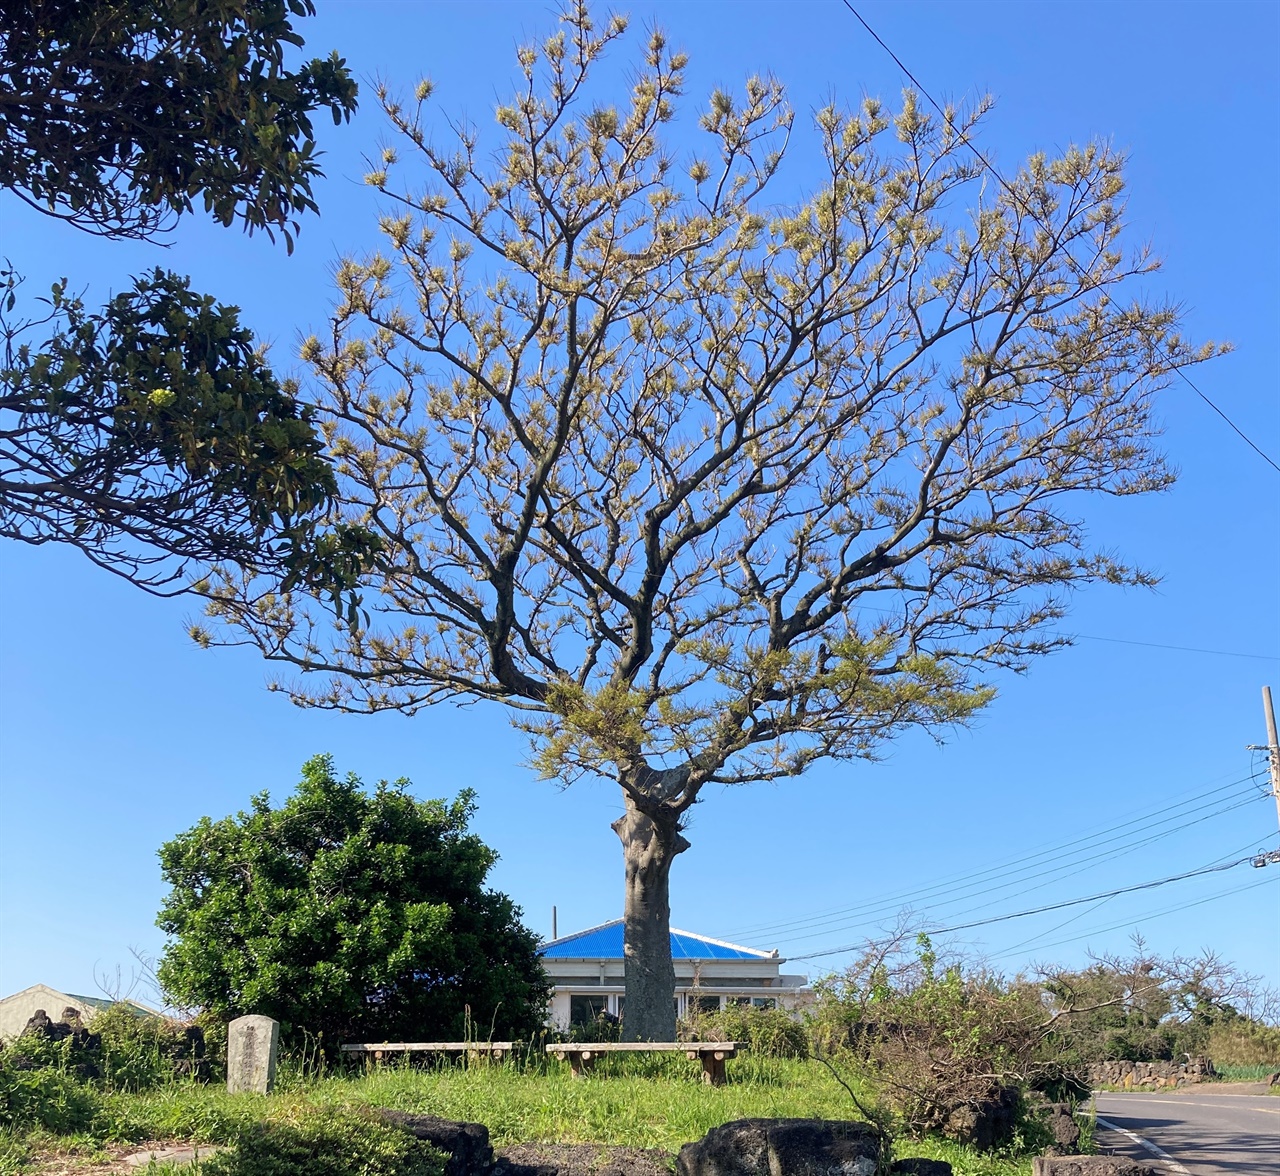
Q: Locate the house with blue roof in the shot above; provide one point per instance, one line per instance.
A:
(586, 972)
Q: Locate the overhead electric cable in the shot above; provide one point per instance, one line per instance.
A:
(1177, 908)
(1053, 906)
(1041, 857)
(994, 878)
(1059, 874)
(1059, 926)
(1180, 648)
(1083, 914)
(986, 163)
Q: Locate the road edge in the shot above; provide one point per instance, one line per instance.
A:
(1158, 1152)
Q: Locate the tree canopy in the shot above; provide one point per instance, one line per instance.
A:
(115, 117)
(154, 436)
(702, 487)
(357, 915)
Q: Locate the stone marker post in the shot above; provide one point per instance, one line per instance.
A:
(251, 1054)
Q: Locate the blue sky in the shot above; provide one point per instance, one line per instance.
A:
(118, 732)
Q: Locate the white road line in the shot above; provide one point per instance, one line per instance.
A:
(1159, 1153)
(1213, 1106)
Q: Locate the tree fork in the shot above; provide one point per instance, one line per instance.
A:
(649, 846)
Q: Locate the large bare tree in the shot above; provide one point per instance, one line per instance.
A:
(701, 487)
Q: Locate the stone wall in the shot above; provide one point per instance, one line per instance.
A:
(1151, 1074)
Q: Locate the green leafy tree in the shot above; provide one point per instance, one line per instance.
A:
(153, 435)
(356, 915)
(116, 116)
(702, 487)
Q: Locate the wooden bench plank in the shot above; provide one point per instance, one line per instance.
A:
(429, 1047)
(646, 1046)
(582, 1056)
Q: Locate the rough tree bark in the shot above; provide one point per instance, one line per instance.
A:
(650, 844)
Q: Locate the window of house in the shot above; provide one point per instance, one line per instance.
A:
(585, 1009)
(739, 1001)
(764, 1002)
(706, 1004)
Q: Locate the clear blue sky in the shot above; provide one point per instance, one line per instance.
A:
(117, 732)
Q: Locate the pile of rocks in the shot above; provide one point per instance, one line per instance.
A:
(85, 1054)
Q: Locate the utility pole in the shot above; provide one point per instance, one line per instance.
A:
(1273, 747)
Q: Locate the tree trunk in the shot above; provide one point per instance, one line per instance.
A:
(649, 846)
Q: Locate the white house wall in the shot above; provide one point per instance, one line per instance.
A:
(18, 1009)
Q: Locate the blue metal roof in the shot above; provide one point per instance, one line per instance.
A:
(605, 943)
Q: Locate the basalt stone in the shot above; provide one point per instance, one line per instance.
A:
(86, 1047)
(783, 1147)
(986, 1124)
(919, 1166)
(466, 1144)
(1090, 1166)
(1063, 1127)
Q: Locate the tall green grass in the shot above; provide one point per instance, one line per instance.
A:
(639, 1101)
(1245, 1073)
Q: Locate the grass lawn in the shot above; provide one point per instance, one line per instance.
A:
(639, 1102)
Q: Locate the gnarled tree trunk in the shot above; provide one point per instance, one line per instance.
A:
(649, 846)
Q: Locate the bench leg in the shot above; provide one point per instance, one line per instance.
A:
(713, 1069)
(581, 1063)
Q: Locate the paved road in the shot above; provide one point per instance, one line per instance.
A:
(1206, 1132)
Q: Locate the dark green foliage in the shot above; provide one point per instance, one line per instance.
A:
(770, 1033)
(1145, 1008)
(47, 1096)
(352, 915)
(117, 116)
(120, 1051)
(950, 1047)
(154, 434)
(329, 1143)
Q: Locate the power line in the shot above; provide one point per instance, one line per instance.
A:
(1177, 908)
(1099, 930)
(1057, 906)
(990, 880)
(1009, 188)
(1059, 874)
(1181, 648)
(888, 612)
(1145, 818)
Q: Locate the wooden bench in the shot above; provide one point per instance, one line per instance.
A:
(493, 1050)
(583, 1055)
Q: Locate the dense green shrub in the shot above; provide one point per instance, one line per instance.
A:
(1146, 1008)
(353, 915)
(120, 1050)
(952, 1049)
(139, 1053)
(47, 1096)
(770, 1033)
(325, 1143)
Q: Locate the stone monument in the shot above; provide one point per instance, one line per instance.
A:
(251, 1054)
